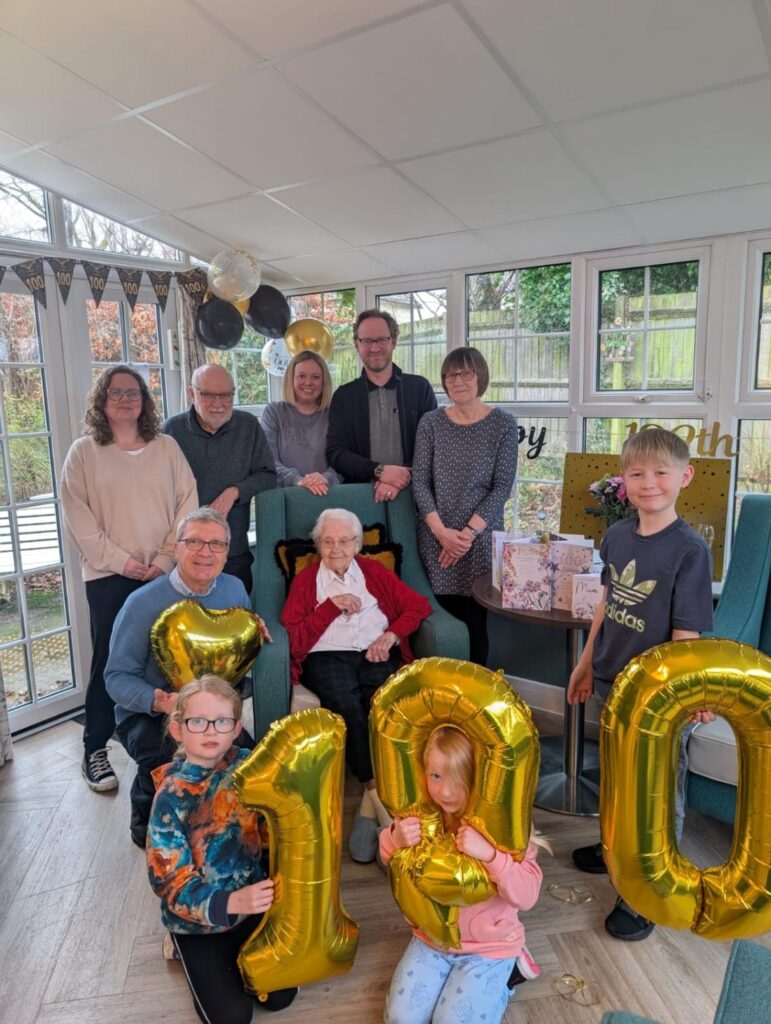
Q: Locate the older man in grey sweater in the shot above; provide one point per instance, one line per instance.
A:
(229, 455)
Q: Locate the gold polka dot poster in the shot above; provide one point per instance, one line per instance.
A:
(703, 503)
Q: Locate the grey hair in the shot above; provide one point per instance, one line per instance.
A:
(342, 515)
(204, 514)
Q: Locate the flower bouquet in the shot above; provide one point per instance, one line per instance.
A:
(611, 497)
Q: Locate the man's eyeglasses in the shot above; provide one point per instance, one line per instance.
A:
(130, 394)
(226, 397)
(328, 543)
(196, 544)
(201, 725)
(465, 375)
(368, 342)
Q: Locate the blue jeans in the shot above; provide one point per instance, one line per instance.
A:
(432, 987)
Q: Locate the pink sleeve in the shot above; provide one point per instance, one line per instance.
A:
(517, 882)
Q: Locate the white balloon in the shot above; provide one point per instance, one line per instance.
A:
(276, 357)
(234, 275)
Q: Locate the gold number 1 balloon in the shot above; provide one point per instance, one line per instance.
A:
(295, 776)
(641, 725)
(431, 880)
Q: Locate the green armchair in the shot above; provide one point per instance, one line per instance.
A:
(292, 512)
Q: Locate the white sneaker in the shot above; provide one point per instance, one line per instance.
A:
(169, 949)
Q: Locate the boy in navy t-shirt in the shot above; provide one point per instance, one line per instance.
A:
(658, 587)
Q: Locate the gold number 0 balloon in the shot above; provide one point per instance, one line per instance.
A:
(430, 881)
(641, 725)
(295, 776)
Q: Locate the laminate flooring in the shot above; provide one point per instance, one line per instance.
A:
(80, 932)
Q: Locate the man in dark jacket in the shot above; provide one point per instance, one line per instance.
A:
(373, 420)
(229, 456)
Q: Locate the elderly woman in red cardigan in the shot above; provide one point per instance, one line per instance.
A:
(348, 620)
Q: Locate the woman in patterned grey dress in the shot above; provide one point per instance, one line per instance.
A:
(462, 473)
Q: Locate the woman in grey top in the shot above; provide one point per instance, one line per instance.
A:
(296, 427)
(462, 473)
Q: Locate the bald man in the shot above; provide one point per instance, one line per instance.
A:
(229, 455)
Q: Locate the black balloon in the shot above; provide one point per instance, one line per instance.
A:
(269, 312)
(219, 324)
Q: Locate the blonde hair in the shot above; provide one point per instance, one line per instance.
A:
(287, 381)
(458, 751)
(214, 685)
(654, 444)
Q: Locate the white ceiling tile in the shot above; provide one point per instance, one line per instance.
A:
(261, 128)
(263, 227)
(441, 252)
(136, 52)
(514, 179)
(10, 144)
(278, 278)
(146, 163)
(583, 58)
(271, 28)
(712, 141)
(561, 236)
(77, 185)
(418, 85)
(176, 232)
(41, 100)
(712, 213)
(343, 267)
(370, 206)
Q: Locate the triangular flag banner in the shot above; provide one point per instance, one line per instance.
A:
(194, 282)
(32, 274)
(130, 279)
(97, 274)
(160, 280)
(2, 273)
(63, 270)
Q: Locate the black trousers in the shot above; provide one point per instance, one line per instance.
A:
(211, 969)
(241, 566)
(345, 682)
(105, 599)
(147, 742)
(475, 617)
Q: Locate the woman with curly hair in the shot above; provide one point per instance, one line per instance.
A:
(124, 488)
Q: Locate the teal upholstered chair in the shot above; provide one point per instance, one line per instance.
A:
(292, 512)
(746, 994)
(743, 614)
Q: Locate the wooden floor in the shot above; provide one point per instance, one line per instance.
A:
(80, 934)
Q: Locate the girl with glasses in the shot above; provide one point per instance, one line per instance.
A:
(124, 488)
(203, 853)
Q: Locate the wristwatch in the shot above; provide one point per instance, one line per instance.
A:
(379, 470)
(474, 532)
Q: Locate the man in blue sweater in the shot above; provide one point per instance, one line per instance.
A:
(133, 677)
(229, 456)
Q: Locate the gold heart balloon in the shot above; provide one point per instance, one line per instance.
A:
(190, 641)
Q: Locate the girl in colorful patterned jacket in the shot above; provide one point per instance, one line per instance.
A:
(474, 981)
(203, 854)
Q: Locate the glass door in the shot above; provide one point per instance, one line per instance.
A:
(36, 643)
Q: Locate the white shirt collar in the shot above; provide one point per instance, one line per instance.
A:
(181, 587)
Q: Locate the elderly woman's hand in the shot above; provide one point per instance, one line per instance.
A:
(379, 649)
(348, 604)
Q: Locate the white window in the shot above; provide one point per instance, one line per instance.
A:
(337, 309)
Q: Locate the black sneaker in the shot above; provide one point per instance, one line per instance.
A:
(280, 999)
(139, 835)
(589, 859)
(626, 924)
(525, 969)
(97, 771)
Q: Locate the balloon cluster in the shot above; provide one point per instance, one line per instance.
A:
(236, 296)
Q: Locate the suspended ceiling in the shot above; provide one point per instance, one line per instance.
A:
(346, 140)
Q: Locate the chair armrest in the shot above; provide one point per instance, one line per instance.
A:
(441, 635)
(271, 684)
